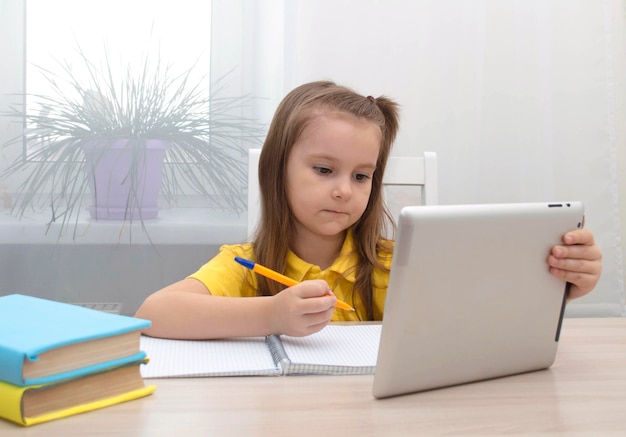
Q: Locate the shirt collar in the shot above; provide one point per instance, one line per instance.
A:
(343, 265)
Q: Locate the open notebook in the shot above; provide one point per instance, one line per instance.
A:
(335, 350)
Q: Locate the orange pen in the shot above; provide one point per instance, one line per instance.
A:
(285, 280)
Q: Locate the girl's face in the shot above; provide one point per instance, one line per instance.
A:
(329, 173)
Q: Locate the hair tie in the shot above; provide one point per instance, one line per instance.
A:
(371, 99)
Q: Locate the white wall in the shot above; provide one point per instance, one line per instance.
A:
(617, 21)
(522, 100)
(11, 71)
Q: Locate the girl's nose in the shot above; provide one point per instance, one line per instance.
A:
(342, 189)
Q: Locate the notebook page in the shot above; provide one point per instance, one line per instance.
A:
(183, 358)
(336, 349)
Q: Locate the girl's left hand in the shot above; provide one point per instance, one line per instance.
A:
(578, 261)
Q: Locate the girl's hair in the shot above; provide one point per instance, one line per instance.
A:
(293, 115)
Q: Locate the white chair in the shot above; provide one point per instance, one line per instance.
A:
(420, 171)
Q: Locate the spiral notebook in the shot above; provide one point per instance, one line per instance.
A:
(335, 350)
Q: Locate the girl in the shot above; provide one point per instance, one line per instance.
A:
(321, 171)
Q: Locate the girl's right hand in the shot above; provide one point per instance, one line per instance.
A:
(302, 309)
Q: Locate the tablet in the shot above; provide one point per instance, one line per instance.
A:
(470, 296)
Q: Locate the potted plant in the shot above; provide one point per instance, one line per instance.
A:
(119, 137)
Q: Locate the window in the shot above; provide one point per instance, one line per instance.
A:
(218, 37)
(178, 33)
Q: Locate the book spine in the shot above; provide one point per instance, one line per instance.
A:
(11, 402)
(277, 350)
(11, 365)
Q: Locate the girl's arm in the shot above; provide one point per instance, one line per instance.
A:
(187, 310)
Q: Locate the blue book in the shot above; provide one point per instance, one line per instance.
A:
(43, 341)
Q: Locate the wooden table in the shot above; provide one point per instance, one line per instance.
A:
(583, 393)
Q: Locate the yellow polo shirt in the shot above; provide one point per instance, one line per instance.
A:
(223, 276)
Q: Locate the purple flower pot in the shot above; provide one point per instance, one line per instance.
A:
(124, 178)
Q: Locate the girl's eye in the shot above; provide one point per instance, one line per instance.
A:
(361, 177)
(322, 170)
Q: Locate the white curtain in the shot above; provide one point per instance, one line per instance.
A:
(522, 100)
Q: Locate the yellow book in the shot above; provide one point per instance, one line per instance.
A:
(30, 405)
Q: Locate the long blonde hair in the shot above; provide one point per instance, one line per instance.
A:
(293, 115)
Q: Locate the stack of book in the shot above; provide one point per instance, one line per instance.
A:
(58, 359)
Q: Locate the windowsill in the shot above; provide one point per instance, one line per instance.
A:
(186, 226)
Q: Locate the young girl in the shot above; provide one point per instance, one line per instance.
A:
(321, 171)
